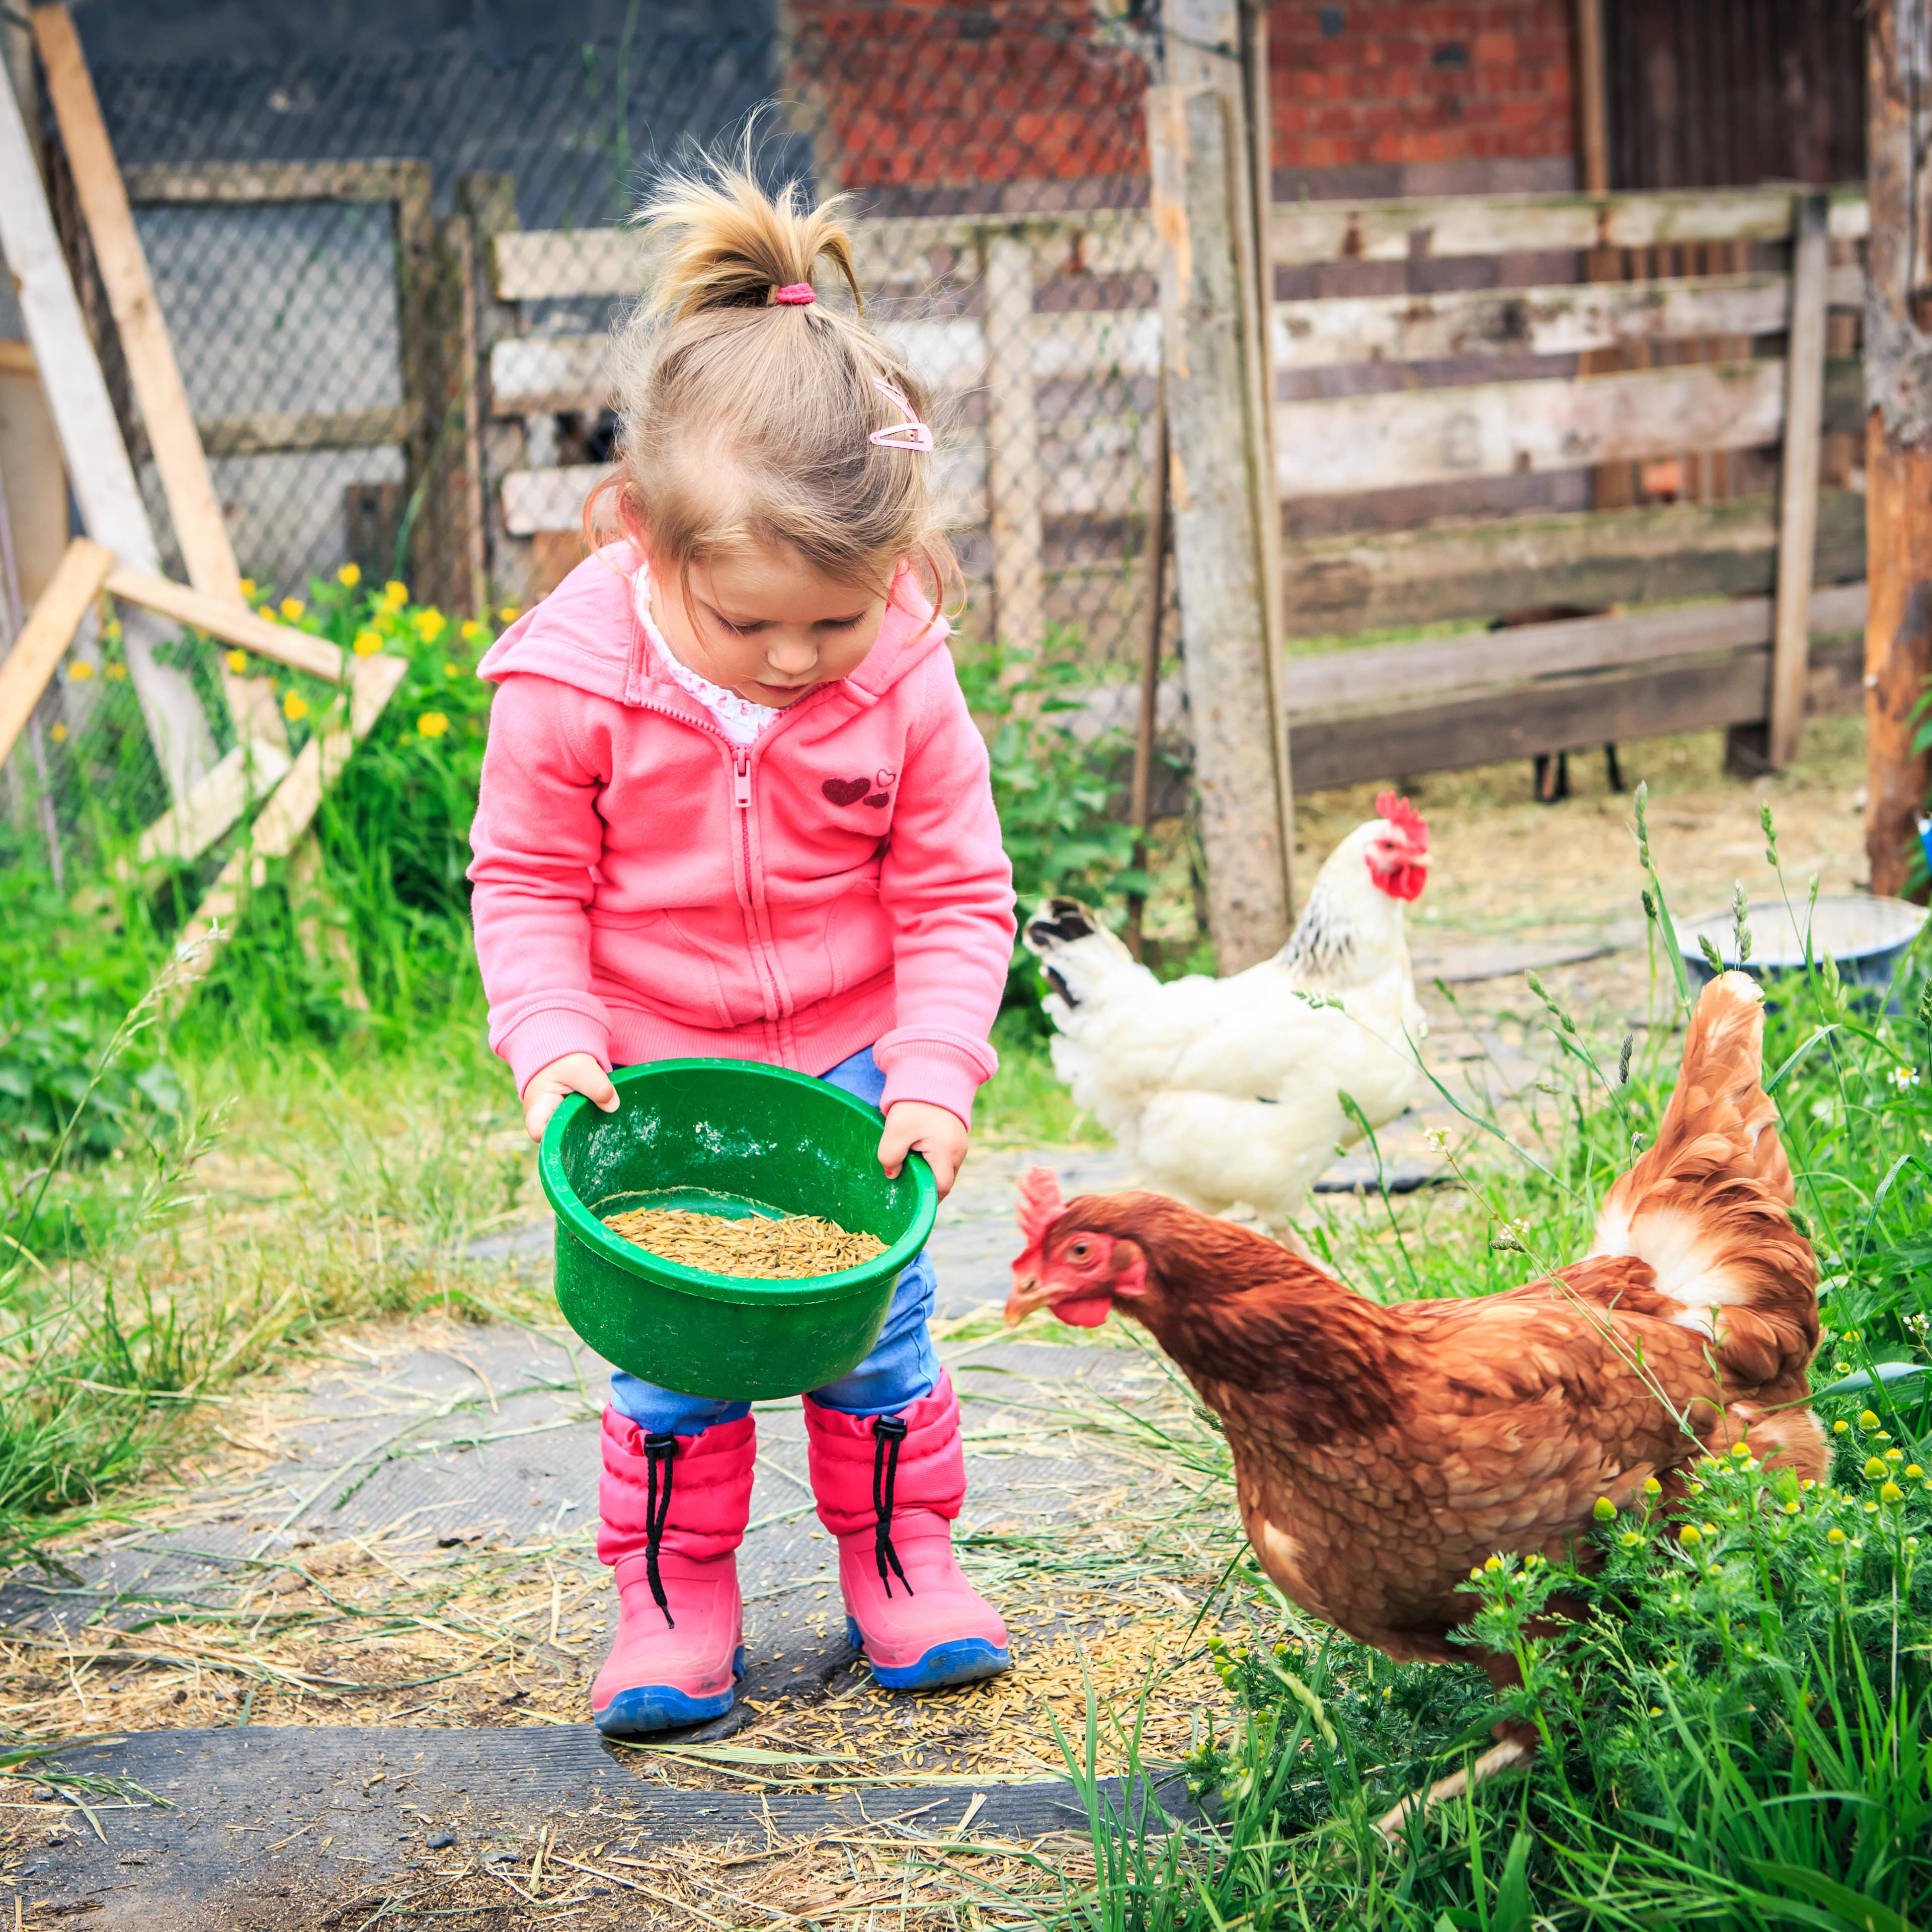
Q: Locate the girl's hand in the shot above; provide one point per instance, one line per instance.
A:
(574, 1073)
(918, 1125)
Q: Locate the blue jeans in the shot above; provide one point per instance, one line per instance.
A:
(901, 1367)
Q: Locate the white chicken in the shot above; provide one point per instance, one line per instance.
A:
(1227, 1093)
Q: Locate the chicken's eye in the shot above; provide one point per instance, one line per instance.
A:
(1080, 1250)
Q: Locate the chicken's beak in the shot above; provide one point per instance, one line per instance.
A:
(1027, 1297)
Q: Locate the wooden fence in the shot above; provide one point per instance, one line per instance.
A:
(1014, 312)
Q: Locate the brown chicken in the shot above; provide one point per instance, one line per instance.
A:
(1381, 1452)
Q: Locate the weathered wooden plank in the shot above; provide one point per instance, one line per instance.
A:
(1394, 231)
(283, 430)
(1797, 521)
(97, 464)
(1015, 478)
(233, 623)
(48, 630)
(200, 527)
(1219, 495)
(1345, 446)
(292, 806)
(1375, 674)
(1561, 318)
(248, 772)
(1341, 586)
(540, 265)
(240, 183)
(1560, 714)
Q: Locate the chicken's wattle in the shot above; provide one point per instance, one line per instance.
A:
(1088, 1311)
(1401, 882)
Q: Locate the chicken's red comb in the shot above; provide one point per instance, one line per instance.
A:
(1404, 818)
(1040, 1203)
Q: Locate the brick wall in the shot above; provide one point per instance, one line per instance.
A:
(1382, 88)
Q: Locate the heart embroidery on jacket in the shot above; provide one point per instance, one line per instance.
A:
(846, 791)
(879, 798)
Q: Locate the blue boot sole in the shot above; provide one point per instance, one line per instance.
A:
(965, 1661)
(662, 1707)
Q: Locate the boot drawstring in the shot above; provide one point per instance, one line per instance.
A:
(657, 1512)
(888, 1432)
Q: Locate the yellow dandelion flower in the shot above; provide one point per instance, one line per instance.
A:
(1690, 1534)
(294, 706)
(292, 607)
(1839, 1427)
(432, 725)
(395, 595)
(367, 644)
(1868, 1419)
(431, 625)
(1913, 1469)
(450, 670)
(349, 575)
(110, 631)
(1895, 1455)
(79, 672)
(115, 671)
(1890, 1492)
(1834, 1536)
(248, 587)
(509, 614)
(1873, 1467)
(1792, 1509)
(58, 734)
(237, 662)
(1741, 1450)
(473, 632)
(1652, 1486)
(1603, 1509)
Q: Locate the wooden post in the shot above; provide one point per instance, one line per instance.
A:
(1797, 521)
(200, 528)
(1898, 446)
(1220, 497)
(1014, 481)
(416, 301)
(461, 401)
(1140, 805)
(489, 203)
(97, 464)
(1223, 44)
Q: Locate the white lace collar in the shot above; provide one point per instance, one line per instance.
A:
(738, 718)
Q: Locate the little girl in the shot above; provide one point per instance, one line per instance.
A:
(734, 805)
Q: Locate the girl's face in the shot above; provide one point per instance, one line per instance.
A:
(765, 624)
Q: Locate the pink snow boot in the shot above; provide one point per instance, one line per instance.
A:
(888, 1487)
(674, 1510)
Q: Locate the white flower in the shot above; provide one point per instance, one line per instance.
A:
(1904, 1076)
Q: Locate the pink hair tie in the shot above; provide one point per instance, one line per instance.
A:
(795, 295)
(910, 434)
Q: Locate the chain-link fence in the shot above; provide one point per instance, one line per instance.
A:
(389, 285)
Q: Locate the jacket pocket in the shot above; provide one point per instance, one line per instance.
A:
(693, 966)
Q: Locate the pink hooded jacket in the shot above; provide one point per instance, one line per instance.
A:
(645, 889)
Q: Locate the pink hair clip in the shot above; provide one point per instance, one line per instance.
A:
(795, 295)
(910, 434)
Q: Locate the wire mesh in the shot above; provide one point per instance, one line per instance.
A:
(389, 285)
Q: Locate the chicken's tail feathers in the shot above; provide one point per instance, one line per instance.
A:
(1707, 1203)
(1080, 958)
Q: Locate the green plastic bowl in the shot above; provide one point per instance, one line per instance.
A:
(726, 1137)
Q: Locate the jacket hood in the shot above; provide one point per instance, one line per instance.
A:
(585, 634)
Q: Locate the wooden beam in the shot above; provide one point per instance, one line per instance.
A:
(1379, 673)
(234, 184)
(292, 806)
(1337, 586)
(233, 623)
(1562, 319)
(1593, 116)
(1306, 232)
(1620, 707)
(1798, 520)
(489, 203)
(249, 771)
(193, 507)
(48, 630)
(1348, 445)
(1014, 480)
(275, 432)
(98, 465)
(1218, 496)
(1898, 443)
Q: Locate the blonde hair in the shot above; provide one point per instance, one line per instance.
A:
(744, 422)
